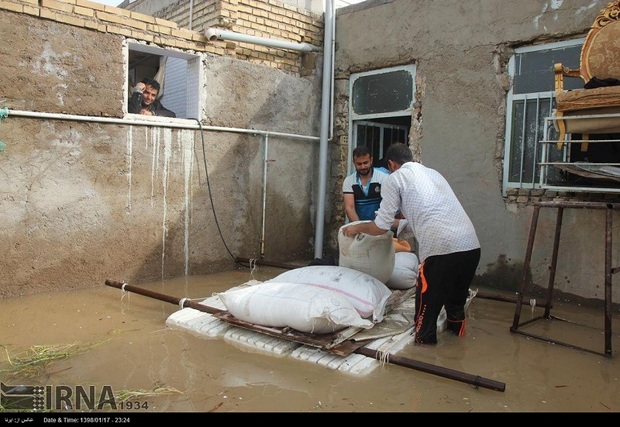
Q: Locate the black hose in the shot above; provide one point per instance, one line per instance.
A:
(217, 224)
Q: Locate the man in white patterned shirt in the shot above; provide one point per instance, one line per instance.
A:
(449, 250)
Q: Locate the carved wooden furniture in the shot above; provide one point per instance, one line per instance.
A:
(596, 110)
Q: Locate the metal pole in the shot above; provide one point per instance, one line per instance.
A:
(608, 271)
(554, 260)
(265, 161)
(526, 268)
(168, 123)
(325, 111)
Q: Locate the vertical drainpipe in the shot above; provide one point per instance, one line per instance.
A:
(191, 13)
(331, 76)
(325, 113)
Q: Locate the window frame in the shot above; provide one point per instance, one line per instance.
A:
(190, 105)
(513, 99)
(378, 120)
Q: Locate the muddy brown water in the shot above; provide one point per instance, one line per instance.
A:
(137, 353)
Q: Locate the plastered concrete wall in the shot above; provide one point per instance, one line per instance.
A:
(84, 200)
(461, 50)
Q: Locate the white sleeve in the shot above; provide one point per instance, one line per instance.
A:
(390, 203)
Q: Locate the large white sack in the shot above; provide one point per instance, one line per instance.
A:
(405, 274)
(367, 294)
(304, 308)
(372, 255)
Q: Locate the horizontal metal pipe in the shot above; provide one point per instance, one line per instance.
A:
(441, 371)
(181, 302)
(267, 263)
(174, 123)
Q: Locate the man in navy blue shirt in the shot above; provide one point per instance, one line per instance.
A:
(362, 189)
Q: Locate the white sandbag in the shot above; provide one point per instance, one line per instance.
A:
(304, 308)
(372, 255)
(405, 274)
(367, 294)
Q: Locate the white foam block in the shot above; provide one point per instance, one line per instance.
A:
(203, 324)
(260, 341)
(198, 323)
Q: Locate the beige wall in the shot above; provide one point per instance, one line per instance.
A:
(461, 52)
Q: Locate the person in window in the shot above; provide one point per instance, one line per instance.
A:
(144, 100)
(449, 249)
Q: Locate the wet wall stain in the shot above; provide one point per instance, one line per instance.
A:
(503, 274)
(506, 275)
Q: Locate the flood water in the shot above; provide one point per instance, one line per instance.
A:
(125, 346)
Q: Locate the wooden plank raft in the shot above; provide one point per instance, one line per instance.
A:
(338, 343)
(345, 347)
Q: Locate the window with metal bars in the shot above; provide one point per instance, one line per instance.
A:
(531, 100)
(380, 109)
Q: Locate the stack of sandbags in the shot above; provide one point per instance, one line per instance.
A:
(405, 274)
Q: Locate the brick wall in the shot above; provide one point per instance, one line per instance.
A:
(260, 18)
(264, 18)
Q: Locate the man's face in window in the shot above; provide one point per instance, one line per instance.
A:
(149, 95)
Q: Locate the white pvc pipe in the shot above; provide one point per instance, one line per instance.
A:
(190, 123)
(325, 113)
(213, 34)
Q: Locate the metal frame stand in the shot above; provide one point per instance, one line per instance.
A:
(609, 207)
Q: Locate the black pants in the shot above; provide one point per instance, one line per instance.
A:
(443, 280)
